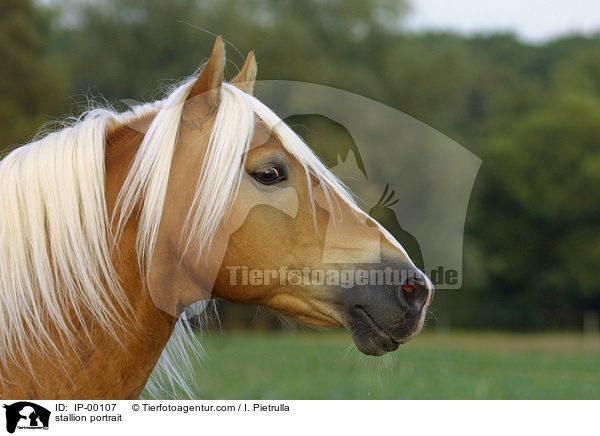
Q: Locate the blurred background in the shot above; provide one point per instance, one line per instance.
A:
(518, 85)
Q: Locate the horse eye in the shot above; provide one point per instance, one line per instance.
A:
(268, 176)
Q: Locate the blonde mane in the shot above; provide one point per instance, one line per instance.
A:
(56, 237)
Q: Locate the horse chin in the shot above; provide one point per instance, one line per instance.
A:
(370, 337)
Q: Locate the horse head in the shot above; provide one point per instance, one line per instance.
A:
(252, 216)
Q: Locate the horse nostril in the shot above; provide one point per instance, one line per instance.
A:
(414, 295)
(408, 287)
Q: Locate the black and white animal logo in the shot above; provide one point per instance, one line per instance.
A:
(26, 415)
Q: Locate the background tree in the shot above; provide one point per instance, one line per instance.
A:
(31, 87)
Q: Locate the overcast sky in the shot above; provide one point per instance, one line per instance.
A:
(534, 21)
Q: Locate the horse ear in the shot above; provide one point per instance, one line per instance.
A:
(208, 83)
(247, 75)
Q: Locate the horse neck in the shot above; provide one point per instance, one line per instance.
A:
(104, 367)
(153, 326)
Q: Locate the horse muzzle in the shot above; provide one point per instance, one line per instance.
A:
(381, 318)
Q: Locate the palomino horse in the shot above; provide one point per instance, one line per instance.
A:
(114, 225)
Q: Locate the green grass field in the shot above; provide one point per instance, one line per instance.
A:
(325, 365)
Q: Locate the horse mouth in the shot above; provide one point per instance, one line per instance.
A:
(369, 336)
